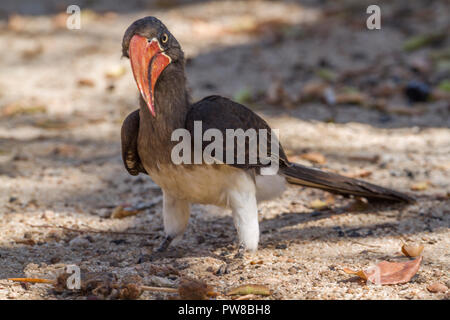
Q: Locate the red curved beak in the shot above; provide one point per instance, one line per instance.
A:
(147, 63)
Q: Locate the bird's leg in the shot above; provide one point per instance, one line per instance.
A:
(176, 216)
(245, 216)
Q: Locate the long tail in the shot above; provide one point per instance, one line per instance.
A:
(332, 182)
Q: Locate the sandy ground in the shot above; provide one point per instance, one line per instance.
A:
(64, 94)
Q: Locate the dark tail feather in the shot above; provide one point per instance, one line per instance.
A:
(332, 182)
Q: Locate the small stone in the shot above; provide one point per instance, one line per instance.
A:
(79, 242)
(437, 287)
(119, 241)
(417, 91)
(55, 259)
(200, 239)
(27, 235)
(161, 282)
(292, 270)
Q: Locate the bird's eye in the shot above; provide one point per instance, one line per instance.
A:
(164, 38)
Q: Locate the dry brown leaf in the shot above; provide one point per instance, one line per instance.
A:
(389, 272)
(330, 199)
(437, 287)
(438, 94)
(277, 95)
(314, 157)
(407, 111)
(358, 174)
(115, 72)
(98, 285)
(85, 82)
(313, 90)
(412, 250)
(275, 92)
(129, 288)
(32, 53)
(66, 150)
(246, 289)
(251, 25)
(16, 23)
(318, 204)
(123, 211)
(351, 98)
(357, 205)
(367, 157)
(359, 273)
(193, 289)
(28, 242)
(247, 297)
(54, 124)
(59, 21)
(18, 108)
(420, 186)
(385, 90)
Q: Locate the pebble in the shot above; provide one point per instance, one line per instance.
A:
(437, 287)
(161, 282)
(417, 91)
(79, 242)
(55, 259)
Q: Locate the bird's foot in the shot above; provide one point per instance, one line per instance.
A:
(240, 252)
(232, 264)
(155, 255)
(164, 244)
(158, 253)
(144, 258)
(223, 269)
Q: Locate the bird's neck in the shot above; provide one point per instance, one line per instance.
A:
(171, 102)
(171, 108)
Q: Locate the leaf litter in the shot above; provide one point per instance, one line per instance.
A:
(100, 285)
(386, 273)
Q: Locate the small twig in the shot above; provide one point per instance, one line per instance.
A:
(159, 289)
(32, 280)
(365, 244)
(246, 297)
(91, 231)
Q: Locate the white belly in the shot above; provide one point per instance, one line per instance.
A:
(208, 185)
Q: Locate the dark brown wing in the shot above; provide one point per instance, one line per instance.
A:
(129, 137)
(220, 113)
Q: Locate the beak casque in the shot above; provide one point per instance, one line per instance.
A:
(147, 62)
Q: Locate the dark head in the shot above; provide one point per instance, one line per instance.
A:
(151, 49)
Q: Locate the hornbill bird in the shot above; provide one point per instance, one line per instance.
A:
(157, 62)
